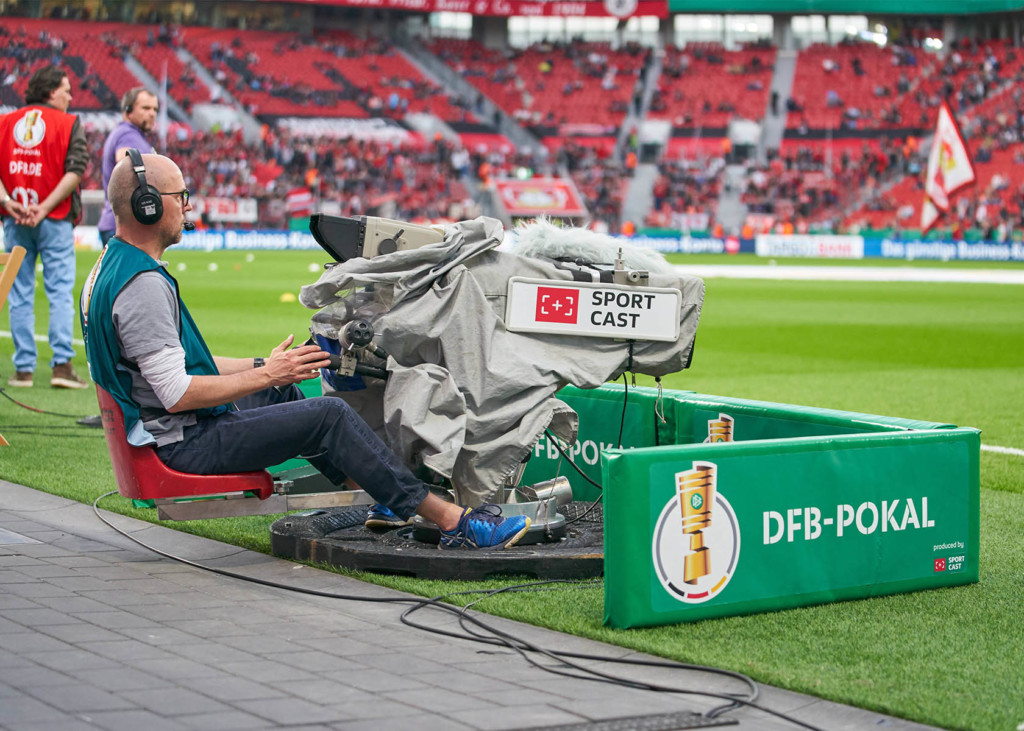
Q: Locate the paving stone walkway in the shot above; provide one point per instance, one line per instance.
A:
(98, 632)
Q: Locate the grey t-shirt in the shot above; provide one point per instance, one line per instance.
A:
(145, 317)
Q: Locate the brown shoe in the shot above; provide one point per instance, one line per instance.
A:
(64, 376)
(21, 379)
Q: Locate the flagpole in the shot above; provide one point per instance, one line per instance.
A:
(162, 114)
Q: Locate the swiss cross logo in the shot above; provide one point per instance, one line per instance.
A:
(940, 564)
(555, 304)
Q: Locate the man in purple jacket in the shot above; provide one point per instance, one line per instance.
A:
(139, 108)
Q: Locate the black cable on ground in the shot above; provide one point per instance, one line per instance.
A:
(3, 392)
(500, 637)
(40, 426)
(48, 431)
(560, 655)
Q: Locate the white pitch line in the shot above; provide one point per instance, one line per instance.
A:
(865, 274)
(984, 447)
(1002, 450)
(855, 273)
(41, 338)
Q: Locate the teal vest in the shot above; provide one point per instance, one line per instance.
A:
(117, 266)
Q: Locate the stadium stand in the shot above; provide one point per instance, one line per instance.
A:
(849, 160)
(810, 187)
(703, 85)
(994, 131)
(155, 48)
(565, 88)
(861, 86)
(856, 86)
(415, 183)
(686, 194)
(97, 78)
(601, 181)
(334, 74)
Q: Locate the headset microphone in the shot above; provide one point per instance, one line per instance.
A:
(189, 226)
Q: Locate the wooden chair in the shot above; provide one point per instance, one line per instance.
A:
(10, 263)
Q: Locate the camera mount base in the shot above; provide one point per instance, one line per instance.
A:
(337, 536)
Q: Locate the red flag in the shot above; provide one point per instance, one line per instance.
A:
(949, 168)
(299, 202)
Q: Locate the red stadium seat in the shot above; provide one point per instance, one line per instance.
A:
(140, 474)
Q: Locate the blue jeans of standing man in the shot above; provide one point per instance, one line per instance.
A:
(274, 425)
(53, 242)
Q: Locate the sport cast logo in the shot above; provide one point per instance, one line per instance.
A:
(556, 304)
(30, 129)
(697, 538)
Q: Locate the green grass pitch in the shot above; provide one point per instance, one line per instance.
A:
(941, 352)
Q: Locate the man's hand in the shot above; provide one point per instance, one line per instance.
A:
(18, 211)
(238, 378)
(33, 216)
(286, 366)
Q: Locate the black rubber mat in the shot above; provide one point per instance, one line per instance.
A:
(337, 537)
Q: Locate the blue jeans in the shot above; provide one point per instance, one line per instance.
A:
(272, 426)
(53, 242)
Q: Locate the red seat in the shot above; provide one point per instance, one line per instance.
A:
(141, 475)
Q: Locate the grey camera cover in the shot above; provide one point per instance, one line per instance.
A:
(466, 397)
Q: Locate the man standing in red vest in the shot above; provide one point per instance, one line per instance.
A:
(44, 153)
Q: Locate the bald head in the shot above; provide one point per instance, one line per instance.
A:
(161, 173)
(165, 177)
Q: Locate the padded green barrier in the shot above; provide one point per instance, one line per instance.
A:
(601, 416)
(808, 505)
(684, 417)
(791, 522)
(702, 418)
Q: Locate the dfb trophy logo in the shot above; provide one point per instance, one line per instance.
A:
(30, 130)
(720, 429)
(696, 539)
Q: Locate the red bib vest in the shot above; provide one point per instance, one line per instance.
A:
(34, 143)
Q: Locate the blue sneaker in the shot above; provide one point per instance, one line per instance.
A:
(380, 516)
(484, 527)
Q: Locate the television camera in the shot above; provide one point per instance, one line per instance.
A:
(463, 346)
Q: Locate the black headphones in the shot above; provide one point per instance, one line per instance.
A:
(130, 97)
(147, 205)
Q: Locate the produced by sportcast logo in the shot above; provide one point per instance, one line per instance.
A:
(696, 539)
(950, 563)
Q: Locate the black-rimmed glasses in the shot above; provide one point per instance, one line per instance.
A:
(184, 196)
